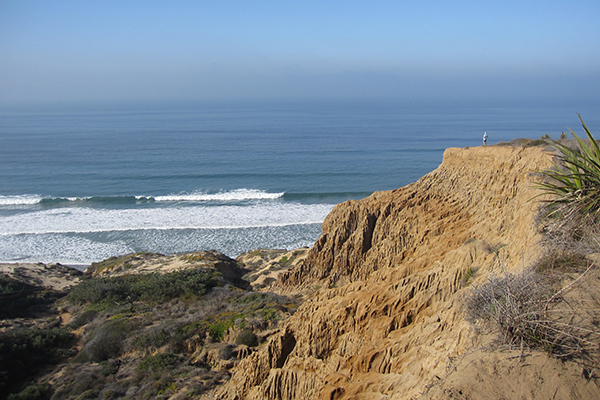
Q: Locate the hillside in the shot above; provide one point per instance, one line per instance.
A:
(391, 273)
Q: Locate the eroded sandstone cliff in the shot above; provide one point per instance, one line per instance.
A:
(386, 281)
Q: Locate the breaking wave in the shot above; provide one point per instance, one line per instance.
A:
(197, 196)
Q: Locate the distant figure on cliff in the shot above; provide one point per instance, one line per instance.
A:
(484, 138)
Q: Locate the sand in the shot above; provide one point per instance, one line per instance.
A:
(53, 276)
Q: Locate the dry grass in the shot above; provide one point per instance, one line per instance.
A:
(568, 228)
(515, 303)
(555, 304)
(538, 310)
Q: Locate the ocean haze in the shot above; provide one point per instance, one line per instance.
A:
(184, 50)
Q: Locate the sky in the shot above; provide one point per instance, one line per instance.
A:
(127, 50)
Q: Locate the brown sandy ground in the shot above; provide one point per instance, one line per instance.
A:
(54, 276)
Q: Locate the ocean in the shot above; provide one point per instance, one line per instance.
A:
(81, 184)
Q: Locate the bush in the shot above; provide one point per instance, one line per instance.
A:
(575, 180)
(515, 303)
(9, 285)
(22, 300)
(167, 333)
(107, 340)
(83, 319)
(158, 362)
(562, 261)
(226, 352)
(528, 311)
(217, 330)
(25, 351)
(248, 338)
(34, 392)
(152, 339)
(146, 287)
(109, 367)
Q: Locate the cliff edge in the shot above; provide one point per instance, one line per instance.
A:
(387, 279)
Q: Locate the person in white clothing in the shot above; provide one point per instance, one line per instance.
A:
(484, 138)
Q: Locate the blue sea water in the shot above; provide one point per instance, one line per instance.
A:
(81, 184)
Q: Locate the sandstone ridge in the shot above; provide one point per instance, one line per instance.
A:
(386, 281)
(143, 263)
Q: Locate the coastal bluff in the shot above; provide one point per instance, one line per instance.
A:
(385, 285)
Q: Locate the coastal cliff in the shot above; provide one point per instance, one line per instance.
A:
(386, 305)
(387, 280)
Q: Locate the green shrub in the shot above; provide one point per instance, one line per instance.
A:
(106, 341)
(248, 338)
(226, 352)
(109, 367)
(468, 275)
(189, 328)
(152, 340)
(25, 351)
(217, 330)
(575, 179)
(167, 333)
(143, 287)
(123, 262)
(254, 298)
(22, 300)
(9, 285)
(158, 362)
(538, 142)
(82, 319)
(34, 392)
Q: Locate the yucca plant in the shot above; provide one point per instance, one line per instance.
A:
(575, 179)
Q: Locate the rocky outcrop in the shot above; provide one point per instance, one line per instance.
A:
(389, 274)
(48, 276)
(265, 266)
(143, 263)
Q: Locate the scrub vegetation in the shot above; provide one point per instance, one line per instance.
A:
(137, 336)
(574, 183)
(549, 306)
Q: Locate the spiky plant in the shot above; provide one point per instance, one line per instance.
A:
(575, 179)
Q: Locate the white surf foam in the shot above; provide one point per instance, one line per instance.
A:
(25, 199)
(69, 250)
(232, 195)
(83, 249)
(199, 196)
(84, 219)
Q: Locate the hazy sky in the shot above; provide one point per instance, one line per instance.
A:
(179, 50)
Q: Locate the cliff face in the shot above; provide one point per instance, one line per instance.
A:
(478, 193)
(390, 272)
